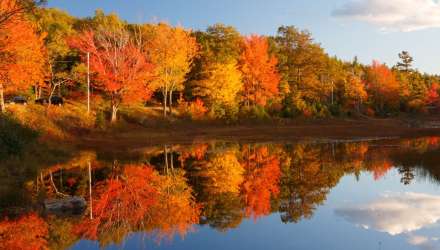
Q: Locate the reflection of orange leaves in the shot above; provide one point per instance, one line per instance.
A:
(140, 199)
(28, 232)
(197, 151)
(356, 152)
(433, 140)
(380, 170)
(262, 180)
(177, 211)
(70, 182)
(224, 173)
(122, 201)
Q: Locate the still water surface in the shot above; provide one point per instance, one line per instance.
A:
(343, 195)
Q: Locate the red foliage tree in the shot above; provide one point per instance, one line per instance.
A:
(433, 96)
(382, 87)
(260, 75)
(122, 70)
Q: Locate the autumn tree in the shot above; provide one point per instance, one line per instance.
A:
(215, 76)
(172, 51)
(301, 63)
(383, 88)
(122, 70)
(220, 88)
(63, 61)
(11, 9)
(433, 95)
(355, 92)
(219, 44)
(22, 55)
(260, 75)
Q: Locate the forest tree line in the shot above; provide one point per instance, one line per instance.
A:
(217, 73)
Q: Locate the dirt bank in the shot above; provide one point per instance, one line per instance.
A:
(133, 136)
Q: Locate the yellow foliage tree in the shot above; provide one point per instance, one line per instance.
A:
(220, 87)
(171, 50)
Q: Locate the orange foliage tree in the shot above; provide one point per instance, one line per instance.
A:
(28, 232)
(122, 70)
(382, 87)
(10, 9)
(260, 75)
(22, 55)
(433, 96)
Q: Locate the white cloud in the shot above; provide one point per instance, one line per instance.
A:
(423, 242)
(393, 15)
(395, 213)
(417, 240)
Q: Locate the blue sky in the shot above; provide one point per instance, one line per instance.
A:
(369, 29)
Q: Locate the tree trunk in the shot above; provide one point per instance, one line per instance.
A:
(114, 113)
(2, 99)
(248, 99)
(171, 103)
(165, 97)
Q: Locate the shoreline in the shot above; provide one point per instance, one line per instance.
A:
(136, 136)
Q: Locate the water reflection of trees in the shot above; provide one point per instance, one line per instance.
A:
(137, 198)
(166, 191)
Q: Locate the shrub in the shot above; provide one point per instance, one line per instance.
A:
(195, 110)
(256, 112)
(14, 137)
(54, 122)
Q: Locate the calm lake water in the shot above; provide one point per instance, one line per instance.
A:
(378, 194)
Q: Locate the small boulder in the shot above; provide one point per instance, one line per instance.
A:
(72, 205)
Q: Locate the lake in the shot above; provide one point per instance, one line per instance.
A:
(373, 194)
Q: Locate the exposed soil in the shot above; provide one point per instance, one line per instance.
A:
(134, 136)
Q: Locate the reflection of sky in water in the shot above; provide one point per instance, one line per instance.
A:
(397, 217)
(397, 213)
